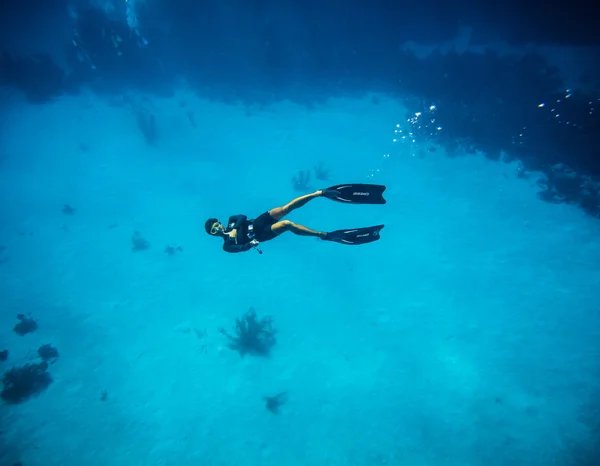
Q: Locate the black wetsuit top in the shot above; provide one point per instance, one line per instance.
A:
(245, 234)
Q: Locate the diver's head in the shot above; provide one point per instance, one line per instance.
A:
(213, 227)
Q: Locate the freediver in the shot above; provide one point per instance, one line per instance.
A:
(242, 234)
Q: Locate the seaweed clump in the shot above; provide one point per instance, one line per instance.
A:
(252, 335)
(25, 325)
(21, 383)
(301, 181)
(322, 172)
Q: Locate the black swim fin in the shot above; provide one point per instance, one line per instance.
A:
(356, 193)
(355, 235)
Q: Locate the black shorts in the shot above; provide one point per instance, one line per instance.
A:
(262, 227)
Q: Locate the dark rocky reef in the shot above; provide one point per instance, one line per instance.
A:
(486, 101)
(3, 355)
(252, 335)
(517, 108)
(37, 76)
(21, 383)
(562, 184)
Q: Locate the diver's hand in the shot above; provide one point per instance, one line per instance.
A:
(254, 243)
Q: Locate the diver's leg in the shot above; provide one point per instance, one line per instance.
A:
(279, 212)
(285, 225)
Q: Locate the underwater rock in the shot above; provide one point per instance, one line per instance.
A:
(139, 243)
(273, 403)
(3, 355)
(48, 353)
(171, 249)
(21, 383)
(252, 336)
(68, 210)
(26, 325)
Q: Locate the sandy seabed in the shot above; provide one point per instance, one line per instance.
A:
(466, 336)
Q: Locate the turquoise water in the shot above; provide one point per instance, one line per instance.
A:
(466, 336)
